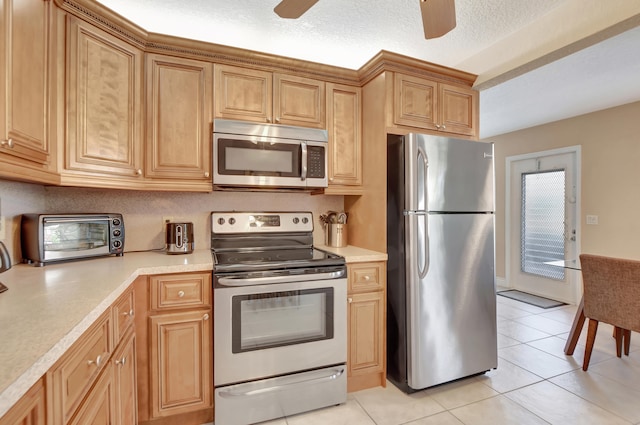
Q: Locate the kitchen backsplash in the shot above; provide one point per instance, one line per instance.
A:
(143, 211)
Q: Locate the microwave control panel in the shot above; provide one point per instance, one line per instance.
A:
(315, 161)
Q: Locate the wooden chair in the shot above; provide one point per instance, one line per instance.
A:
(611, 295)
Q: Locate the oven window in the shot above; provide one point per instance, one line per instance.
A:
(276, 319)
(76, 236)
(244, 157)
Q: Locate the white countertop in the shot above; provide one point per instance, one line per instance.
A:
(47, 308)
(354, 254)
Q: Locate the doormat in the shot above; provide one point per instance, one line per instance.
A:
(530, 299)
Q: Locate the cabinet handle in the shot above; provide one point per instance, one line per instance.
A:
(349, 300)
(366, 277)
(97, 361)
(206, 316)
(330, 179)
(122, 361)
(278, 119)
(444, 127)
(268, 119)
(180, 294)
(128, 313)
(139, 172)
(206, 174)
(438, 126)
(8, 143)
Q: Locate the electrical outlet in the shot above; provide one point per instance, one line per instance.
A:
(166, 219)
(592, 219)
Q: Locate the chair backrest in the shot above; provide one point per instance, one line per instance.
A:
(611, 290)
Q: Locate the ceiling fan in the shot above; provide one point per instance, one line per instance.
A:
(438, 16)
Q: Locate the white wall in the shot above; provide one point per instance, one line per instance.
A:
(143, 211)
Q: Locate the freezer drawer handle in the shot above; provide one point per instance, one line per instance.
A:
(240, 281)
(332, 374)
(415, 213)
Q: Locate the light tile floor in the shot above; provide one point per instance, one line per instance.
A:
(535, 383)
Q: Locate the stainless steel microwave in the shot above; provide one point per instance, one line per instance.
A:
(50, 238)
(254, 155)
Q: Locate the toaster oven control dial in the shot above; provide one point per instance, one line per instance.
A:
(117, 244)
(117, 232)
(116, 222)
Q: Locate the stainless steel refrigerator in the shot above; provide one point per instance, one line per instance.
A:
(441, 299)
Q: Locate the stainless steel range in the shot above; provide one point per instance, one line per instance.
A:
(280, 318)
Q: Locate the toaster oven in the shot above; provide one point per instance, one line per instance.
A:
(48, 238)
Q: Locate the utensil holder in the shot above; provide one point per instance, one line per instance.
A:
(337, 235)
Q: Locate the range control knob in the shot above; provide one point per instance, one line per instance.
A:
(305, 220)
(221, 221)
(296, 220)
(232, 221)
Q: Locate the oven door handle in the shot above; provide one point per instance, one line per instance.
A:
(250, 281)
(328, 376)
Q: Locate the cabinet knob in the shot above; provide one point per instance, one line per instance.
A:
(8, 143)
(367, 277)
(206, 316)
(180, 294)
(438, 126)
(444, 127)
(139, 172)
(122, 361)
(206, 174)
(128, 313)
(278, 119)
(349, 300)
(268, 119)
(97, 361)
(330, 179)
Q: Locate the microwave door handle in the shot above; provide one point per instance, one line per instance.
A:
(303, 168)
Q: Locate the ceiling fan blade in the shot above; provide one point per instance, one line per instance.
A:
(293, 9)
(438, 17)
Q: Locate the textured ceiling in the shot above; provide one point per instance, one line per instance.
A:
(335, 32)
(537, 61)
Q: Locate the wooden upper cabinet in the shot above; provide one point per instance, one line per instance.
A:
(299, 101)
(431, 105)
(179, 113)
(458, 109)
(344, 124)
(26, 82)
(260, 96)
(243, 94)
(104, 114)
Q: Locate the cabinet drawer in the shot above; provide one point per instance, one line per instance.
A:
(365, 277)
(123, 314)
(79, 367)
(173, 291)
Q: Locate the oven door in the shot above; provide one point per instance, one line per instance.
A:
(265, 330)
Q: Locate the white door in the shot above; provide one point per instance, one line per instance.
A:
(542, 223)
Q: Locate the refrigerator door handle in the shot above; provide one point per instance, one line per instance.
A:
(424, 161)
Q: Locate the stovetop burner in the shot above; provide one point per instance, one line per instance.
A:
(266, 241)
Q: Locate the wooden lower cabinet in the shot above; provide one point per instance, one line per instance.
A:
(366, 359)
(180, 362)
(30, 410)
(124, 366)
(99, 408)
(175, 349)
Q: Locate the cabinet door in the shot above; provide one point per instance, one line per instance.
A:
(25, 71)
(458, 109)
(243, 94)
(415, 102)
(366, 345)
(124, 365)
(299, 101)
(344, 120)
(99, 406)
(104, 102)
(180, 352)
(29, 410)
(179, 105)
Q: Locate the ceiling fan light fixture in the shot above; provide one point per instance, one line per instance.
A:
(293, 9)
(438, 17)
